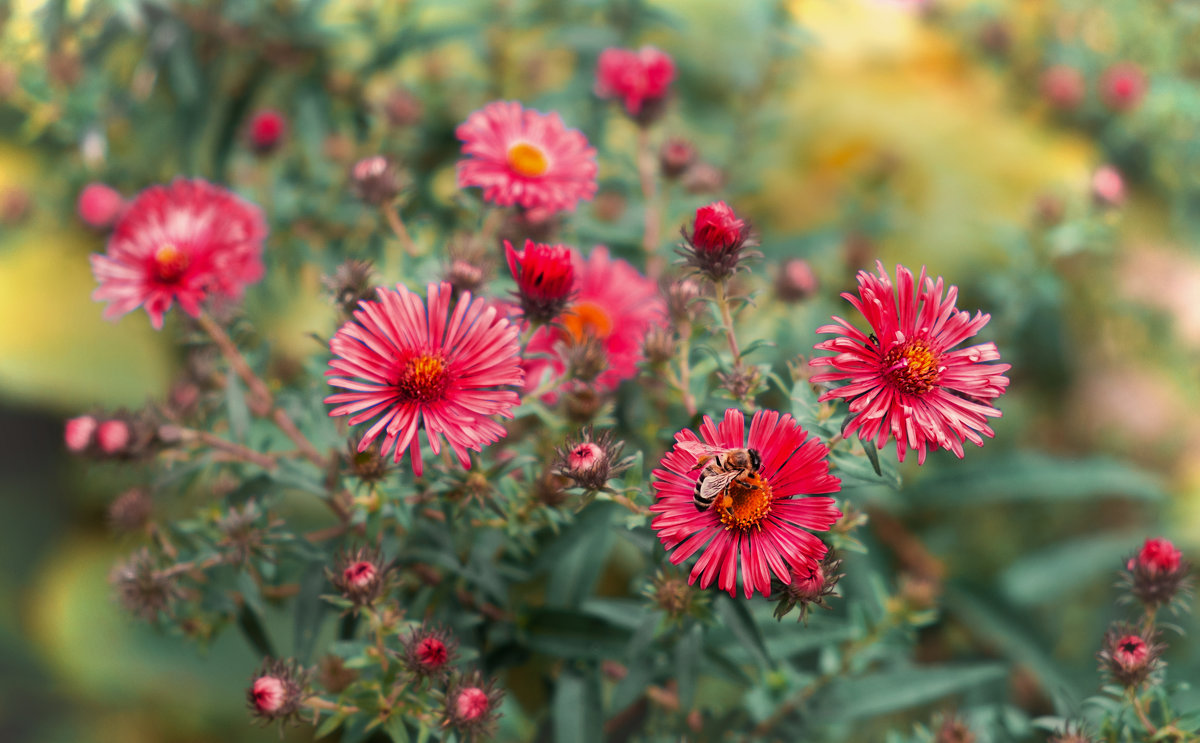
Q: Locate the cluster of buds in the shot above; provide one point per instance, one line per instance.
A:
(545, 279)
(361, 576)
(590, 460)
(121, 436)
(715, 246)
(1157, 575)
(810, 586)
(277, 692)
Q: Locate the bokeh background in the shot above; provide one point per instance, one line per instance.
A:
(847, 129)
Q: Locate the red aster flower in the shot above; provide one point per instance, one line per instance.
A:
(759, 523)
(180, 243)
(641, 79)
(267, 129)
(524, 157)
(100, 205)
(905, 378)
(545, 279)
(412, 363)
(1158, 574)
(614, 304)
(1122, 86)
(1063, 87)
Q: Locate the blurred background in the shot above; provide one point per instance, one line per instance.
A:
(965, 136)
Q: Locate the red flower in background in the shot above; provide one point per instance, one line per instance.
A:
(762, 525)
(905, 379)
(100, 205)
(267, 129)
(545, 278)
(639, 78)
(1122, 86)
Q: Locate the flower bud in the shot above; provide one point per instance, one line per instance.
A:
(429, 652)
(1157, 575)
(584, 358)
(367, 465)
(681, 298)
(266, 130)
(113, 437)
(675, 156)
(472, 706)
(402, 108)
(1108, 187)
(375, 180)
(954, 729)
(591, 460)
(702, 177)
(1063, 87)
(659, 346)
(100, 205)
(671, 592)
(142, 587)
(641, 79)
(609, 205)
(796, 281)
(360, 576)
(545, 279)
(15, 206)
(278, 691)
(351, 283)
(78, 433)
(715, 246)
(811, 584)
(1129, 655)
(130, 511)
(1122, 86)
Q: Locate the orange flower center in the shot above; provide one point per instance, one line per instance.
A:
(912, 367)
(745, 503)
(527, 160)
(170, 263)
(587, 318)
(423, 379)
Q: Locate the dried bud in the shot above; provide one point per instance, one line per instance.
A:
(590, 461)
(100, 205)
(375, 180)
(810, 586)
(367, 465)
(609, 206)
(1130, 655)
(539, 225)
(79, 433)
(429, 652)
(659, 347)
(954, 729)
(796, 281)
(545, 279)
(741, 384)
(246, 531)
(277, 691)
(130, 511)
(672, 593)
(1063, 87)
(472, 706)
(718, 238)
(1122, 86)
(402, 108)
(351, 283)
(361, 576)
(143, 587)
(681, 298)
(1108, 187)
(582, 403)
(703, 177)
(1157, 575)
(551, 489)
(463, 277)
(584, 357)
(266, 130)
(15, 205)
(675, 156)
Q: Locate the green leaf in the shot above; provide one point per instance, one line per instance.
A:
(687, 657)
(901, 688)
(578, 556)
(737, 619)
(330, 724)
(578, 711)
(1055, 573)
(1026, 476)
(235, 403)
(310, 610)
(873, 455)
(396, 729)
(569, 634)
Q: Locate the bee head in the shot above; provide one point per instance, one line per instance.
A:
(755, 459)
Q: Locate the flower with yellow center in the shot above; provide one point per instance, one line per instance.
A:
(913, 367)
(423, 379)
(170, 263)
(745, 504)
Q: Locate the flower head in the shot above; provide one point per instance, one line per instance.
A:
(759, 521)
(1122, 86)
(591, 460)
(1157, 575)
(675, 156)
(641, 79)
(100, 205)
(1130, 655)
(180, 243)
(718, 238)
(429, 652)
(527, 158)
(545, 279)
(411, 363)
(796, 281)
(906, 379)
(613, 304)
(277, 691)
(810, 586)
(1108, 187)
(360, 576)
(472, 705)
(266, 130)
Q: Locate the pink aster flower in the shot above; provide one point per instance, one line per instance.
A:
(614, 304)
(446, 368)
(99, 205)
(180, 243)
(905, 379)
(524, 157)
(760, 523)
(639, 78)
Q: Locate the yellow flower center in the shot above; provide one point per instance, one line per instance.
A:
(912, 367)
(527, 160)
(423, 379)
(587, 318)
(170, 263)
(745, 503)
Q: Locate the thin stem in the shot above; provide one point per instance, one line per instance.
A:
(392, 215)
(324, 704)
(685, 367)
(185, 567)
(727, 321)
(647, 172)
(234, 449)
(1140, 709)
(491, 225)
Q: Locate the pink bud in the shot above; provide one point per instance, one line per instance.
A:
(268, 694)
(584, 457)
(267, 129)
(1063, 86)
(717, 228)
(1131, 651)
(1157, 556)
(100, 205)
(431, 653)
(1108, 187)
(113, 436)
(471, 704)
(78, 433)
(796, 282)
(359, 574)
(1122, 86)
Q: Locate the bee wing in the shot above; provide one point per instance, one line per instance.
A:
(699, 448)
(713, 485)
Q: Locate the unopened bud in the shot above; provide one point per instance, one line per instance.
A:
(113, 436)
(676, 156)
(375, 180)
(79, 432)
(715, 245)
(796, 281)
(266, 130)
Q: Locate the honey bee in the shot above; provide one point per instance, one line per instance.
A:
(719, 468)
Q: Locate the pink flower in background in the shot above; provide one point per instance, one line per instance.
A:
(267, 129)
(448, 369)
(180, 243)
(638, 78)
(100, 205)
(761, 525)
(614, 304)
(113, 436)
(1123, 86)
(1108, 187)
(1063, 86)
(1157, 555)
(905, 379)
(78, 433)
(523, 157)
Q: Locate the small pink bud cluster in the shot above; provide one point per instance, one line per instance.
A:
(120, 436)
